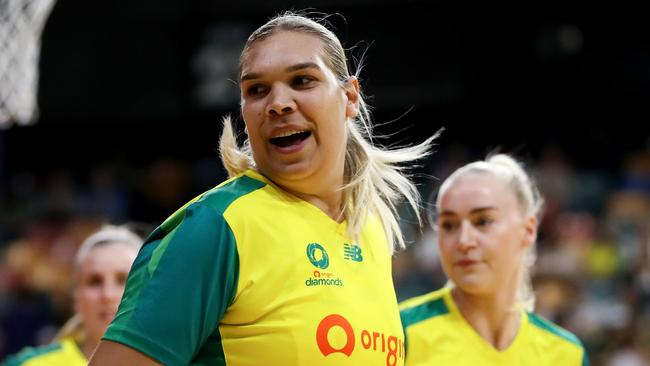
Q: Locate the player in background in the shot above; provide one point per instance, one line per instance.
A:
(101, 267)
(486, 218)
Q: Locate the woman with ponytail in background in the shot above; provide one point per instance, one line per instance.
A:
(486, 226)
(102, 264)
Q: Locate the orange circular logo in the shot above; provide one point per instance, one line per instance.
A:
(323, 330)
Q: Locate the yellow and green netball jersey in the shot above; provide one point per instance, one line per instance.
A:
(248, 275)
(64, 353)
(437, 334)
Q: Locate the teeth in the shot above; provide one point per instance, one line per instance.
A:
(288, 133)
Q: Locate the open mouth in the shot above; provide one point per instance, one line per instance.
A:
(293, 138)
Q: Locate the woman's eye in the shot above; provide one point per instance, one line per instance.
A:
(302, 81)
(255, 90)
(447, 226)
(483, 221)
(94, 281)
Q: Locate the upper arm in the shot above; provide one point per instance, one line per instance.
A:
(115, 354)
(179, 288)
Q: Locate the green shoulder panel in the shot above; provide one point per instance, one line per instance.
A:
(415, 314)
(426, 310)
(219, 198)
(550, 327)
(223, 196)
(30, 353)
(183, 280)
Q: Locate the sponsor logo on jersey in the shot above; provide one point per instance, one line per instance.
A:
(352, 252)
(320, 278)
(318, 257)
(368, 340)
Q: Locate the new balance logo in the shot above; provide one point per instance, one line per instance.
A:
(352, 252)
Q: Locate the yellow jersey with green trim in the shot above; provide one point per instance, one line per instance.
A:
(63, 353)
(246, 274)
(437, 334)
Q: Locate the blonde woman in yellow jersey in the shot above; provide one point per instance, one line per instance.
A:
(486, 226)
(102, 264)
(289, 261)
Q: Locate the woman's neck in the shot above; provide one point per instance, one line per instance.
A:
(88, 347)
(495, 317)
(322, 191)
(330, 203)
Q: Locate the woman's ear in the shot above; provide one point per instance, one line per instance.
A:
(352, 93)
(530, 231)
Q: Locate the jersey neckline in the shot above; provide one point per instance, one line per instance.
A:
(341, 227)
(476, 337)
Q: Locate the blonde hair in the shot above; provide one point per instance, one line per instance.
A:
(528, 197)
(375, 180)
(108, 234)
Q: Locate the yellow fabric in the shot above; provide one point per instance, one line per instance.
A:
(65, 353)
(293, 306)
(446, 338)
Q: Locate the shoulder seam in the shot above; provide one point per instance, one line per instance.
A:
(552, 328)
(227, 194)
(426, 310)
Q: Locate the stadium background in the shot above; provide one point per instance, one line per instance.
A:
(131, 96)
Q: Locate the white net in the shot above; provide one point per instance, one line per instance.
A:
(21, 25)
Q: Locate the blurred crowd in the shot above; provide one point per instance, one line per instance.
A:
(592, 274)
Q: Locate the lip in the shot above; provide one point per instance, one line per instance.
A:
(464, 263)
(293, 148)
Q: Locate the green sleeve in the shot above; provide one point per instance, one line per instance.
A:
(179, 287)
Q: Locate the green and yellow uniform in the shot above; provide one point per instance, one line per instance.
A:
(63, 353)
(437, 334)
(247, 274)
